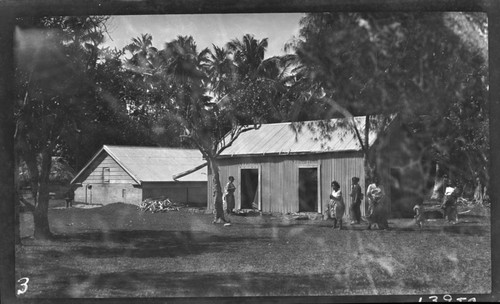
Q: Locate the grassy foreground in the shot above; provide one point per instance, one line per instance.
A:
(119, 251)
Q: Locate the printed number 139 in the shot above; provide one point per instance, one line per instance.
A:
(448, 298)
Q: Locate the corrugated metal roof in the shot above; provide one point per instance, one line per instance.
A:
(156, 164)
(301, 137)
(152, 164)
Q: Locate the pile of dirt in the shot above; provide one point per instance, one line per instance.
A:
(159, 205)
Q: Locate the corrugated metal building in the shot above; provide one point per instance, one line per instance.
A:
(288, 167)
(132, 174)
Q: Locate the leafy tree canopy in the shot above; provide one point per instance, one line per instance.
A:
(420, 65)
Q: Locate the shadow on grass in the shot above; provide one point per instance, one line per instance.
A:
(145, 243)
(467, 230)
(193, 284)
(476, 230)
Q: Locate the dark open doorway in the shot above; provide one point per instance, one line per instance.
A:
(249, 188)
(308, 189)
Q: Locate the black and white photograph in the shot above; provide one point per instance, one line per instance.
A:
(225, 156)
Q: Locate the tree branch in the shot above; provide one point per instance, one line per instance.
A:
(235, 135)
(175, 177)
(358, 135)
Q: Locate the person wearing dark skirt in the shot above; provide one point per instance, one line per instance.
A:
(356, 197)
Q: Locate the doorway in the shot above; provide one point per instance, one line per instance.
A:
(308, 189)
(88, 194)
(249, 189)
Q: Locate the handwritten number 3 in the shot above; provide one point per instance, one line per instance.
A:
(24, 285)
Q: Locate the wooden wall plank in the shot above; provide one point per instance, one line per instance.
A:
(116, 173)
(279, 177)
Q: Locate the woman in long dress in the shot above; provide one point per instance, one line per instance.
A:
(377, 213)
(336, 205)
(229, 195)
(356, 197)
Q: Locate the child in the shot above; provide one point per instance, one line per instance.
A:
(419, 213)
(70, 197)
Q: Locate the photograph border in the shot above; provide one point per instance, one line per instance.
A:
(10, 9)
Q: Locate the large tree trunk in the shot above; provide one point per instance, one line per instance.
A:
(369, 170)
(40, 216)
(368, 166)
(217, 188)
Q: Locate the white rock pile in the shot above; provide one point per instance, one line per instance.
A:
(158, 205)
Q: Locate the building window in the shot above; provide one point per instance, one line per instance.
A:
(105, 175)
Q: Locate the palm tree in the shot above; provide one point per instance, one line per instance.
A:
(221, 71)
(248, 54)
(187, 81)
(143, 53)
(181, 60)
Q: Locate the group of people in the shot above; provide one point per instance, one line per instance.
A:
(448, 205)
(377, 211)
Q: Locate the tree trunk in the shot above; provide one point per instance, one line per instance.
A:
(17, 223)
(438, 189)
(478, 192)
(369, 169)
(217, 188)
(40, 216)
(30, 157)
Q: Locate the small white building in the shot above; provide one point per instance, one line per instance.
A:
(131, 174)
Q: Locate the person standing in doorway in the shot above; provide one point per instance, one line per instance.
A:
(229, 195)
(356, 197)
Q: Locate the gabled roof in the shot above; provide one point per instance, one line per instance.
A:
(306, 137)
(153, 164)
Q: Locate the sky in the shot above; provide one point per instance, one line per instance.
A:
(206, 29)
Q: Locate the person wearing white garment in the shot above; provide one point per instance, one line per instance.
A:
(450, 205)
(336, 206)
(377, 212)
